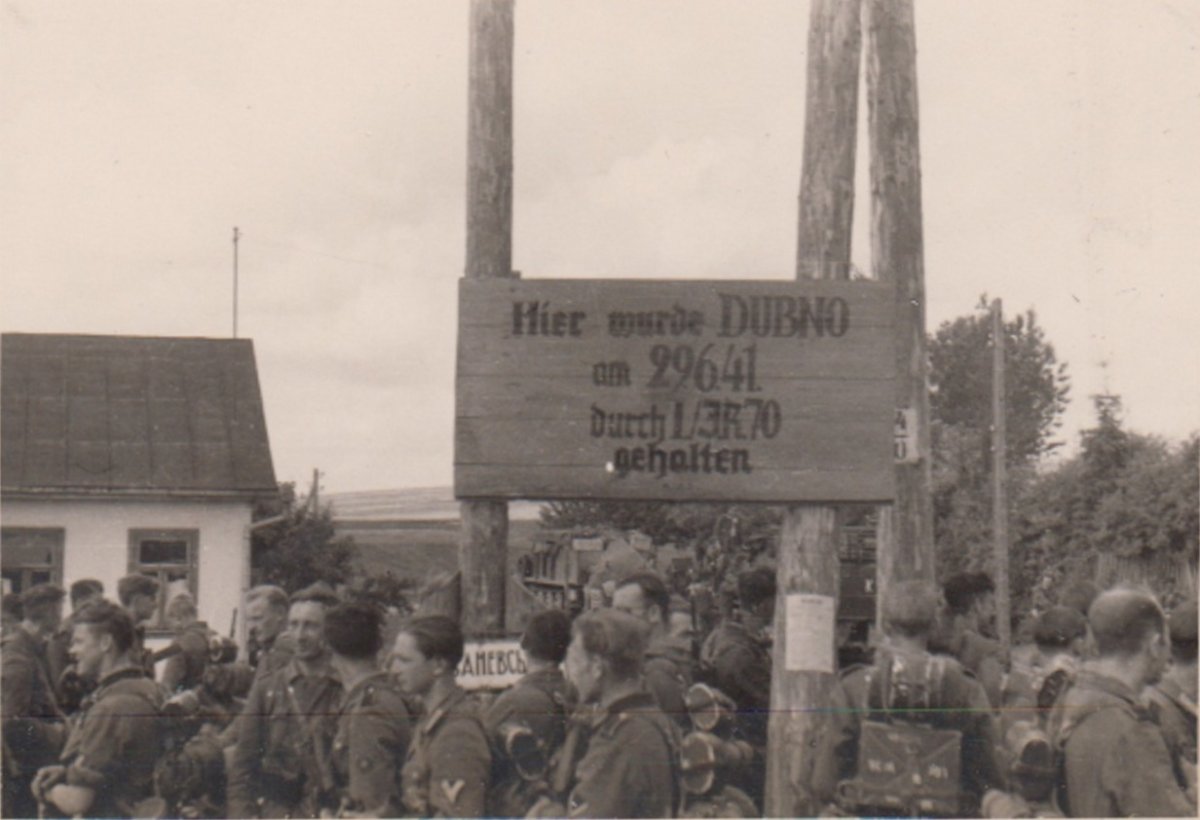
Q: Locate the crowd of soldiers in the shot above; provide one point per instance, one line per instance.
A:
(624, 711)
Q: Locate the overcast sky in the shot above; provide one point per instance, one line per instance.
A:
(1059, 143)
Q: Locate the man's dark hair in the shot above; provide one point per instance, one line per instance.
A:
(547, 635)
(107, 618)
(13, 607)
(274, 596)
(320, 593)
(909, 608)
(437, 636)
(40, 599)
(654, 591)
(85, 588)
(1057, 627)
(755, 586)
(1121, 618)
(1183, 631)
(137, 584)
(354, 630)
(617, 637)
(963, 589)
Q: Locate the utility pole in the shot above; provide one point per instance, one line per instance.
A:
(483, 545)
(807, 563)
(235, 279)
(999, 478)
(905, 532)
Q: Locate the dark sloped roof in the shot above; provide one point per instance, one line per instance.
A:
(131, 414)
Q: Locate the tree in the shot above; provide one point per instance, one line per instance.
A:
(301, 548)
(960, 378)
(1036, 389)
(1127, 499)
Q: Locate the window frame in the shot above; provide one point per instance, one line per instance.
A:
(57, 552)
(191, 537)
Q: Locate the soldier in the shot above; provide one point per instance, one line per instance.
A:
(1060, 637)
(280, 765)
(1173, 699)
(536, 703)
(1116, 761)
(67, 685)
(736, 658)
(13, 613)
(907, 688)
(266, 619)
(32, 722)
(448, 769)
(187, 656)
(631, 764)
(108, 762)
(667, 666)
(139, 595)
(374, 725)
(971, 607)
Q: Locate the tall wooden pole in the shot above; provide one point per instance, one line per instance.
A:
(483, 544)
(999, 480)
(808, 557)
(905, 534)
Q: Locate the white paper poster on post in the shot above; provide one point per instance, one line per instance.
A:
(810, 630)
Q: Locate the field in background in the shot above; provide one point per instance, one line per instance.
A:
(418, 549)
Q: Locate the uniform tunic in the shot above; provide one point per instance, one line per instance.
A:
(539, 702)
(630, 768)
(668, 673)
(32, 723)
(448, 769)
(373, 733)
(740, 666)
(1117, 762)
(185, 669)
(284, 739)
(115, 741)
(961, 705)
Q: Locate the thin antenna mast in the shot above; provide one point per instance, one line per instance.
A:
(235, 279)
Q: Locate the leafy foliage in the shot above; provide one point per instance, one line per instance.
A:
(302, 548)
(1036, 389)
(1125, 496)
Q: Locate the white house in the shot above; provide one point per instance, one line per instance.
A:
(131, 454)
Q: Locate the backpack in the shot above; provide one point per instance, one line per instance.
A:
(905, 765)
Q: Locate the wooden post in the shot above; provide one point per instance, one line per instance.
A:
(808, 556)
(483, 544)
(999, 472)
(905, 534)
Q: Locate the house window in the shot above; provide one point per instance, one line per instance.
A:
(170, 556)
(31, 555)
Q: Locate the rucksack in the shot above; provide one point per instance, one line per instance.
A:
(905, 764)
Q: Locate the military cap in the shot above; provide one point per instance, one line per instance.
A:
(910, 604)
(1183, 622)
(547, 635)
(42, 595)
(1059, 625)
(320, 592)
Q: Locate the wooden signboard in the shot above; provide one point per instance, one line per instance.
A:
(680, 390)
